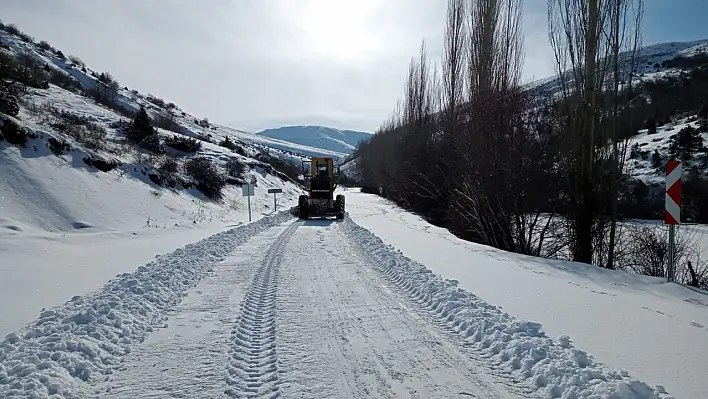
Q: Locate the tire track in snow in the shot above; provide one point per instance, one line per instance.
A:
(342, 334)
(253, 365)
(517, 352)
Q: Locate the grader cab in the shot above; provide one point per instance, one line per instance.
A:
(321, 183)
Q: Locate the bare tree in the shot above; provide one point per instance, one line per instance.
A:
(621, 27)
(492, 139)
(577, 32)
(453, 62)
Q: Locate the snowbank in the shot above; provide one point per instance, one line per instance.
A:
(87, 337)
(640, 324)
(553, 367)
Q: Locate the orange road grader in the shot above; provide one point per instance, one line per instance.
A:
(321, 183)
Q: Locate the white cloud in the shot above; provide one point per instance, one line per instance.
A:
(258, 63)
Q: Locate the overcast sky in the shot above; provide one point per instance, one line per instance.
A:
(255, 64)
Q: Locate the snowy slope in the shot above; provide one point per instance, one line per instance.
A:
(341, 141)
(66, 227)
(652, 329)
(641, 166)
(649, 61)
(132, 100)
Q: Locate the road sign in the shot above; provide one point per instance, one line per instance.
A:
(275, 200)
(248, 191)
(672, 213)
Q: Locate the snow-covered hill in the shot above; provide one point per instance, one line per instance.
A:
(80, 204)
(340, 141)
(649, 63)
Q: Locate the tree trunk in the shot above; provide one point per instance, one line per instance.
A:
(583, 245)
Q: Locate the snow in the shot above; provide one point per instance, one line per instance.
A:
(61, 219)
(642, 168)
(58, 221)
(87, 336)
(341, 141)
(640, 324)
(379, 304)
(326, 328)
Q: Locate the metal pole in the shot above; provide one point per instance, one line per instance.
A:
(275, 203)
(672, 253)
(249, 203)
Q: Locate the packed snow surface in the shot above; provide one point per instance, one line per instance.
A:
(87, 337)
(654, 330)
(292, 308)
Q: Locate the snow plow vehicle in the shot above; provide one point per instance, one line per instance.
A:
(321, 183)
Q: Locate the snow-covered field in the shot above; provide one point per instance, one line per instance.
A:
(652, 329)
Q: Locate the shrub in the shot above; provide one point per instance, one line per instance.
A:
(81, 128)
(685, 143)
(43, 45)
(650, 125)
(102, 164)
(152, 143)
(76, 60)
(184, 144)
(60, 55)
(65, 81)
(203, 122)
(156, 100)
(106, 89)
(656, 160)
(235, 167)
(12, 131)
(703, 113)
(167, 122)
(12, 29)
(9, 104)
(58, 147)
(227, 143)
(169, 165)
(168, 170)
(209, 180)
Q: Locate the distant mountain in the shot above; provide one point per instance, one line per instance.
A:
(343, 141)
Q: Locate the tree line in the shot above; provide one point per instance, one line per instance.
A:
(470, 149)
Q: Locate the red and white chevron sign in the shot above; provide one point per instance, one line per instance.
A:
(672, 213)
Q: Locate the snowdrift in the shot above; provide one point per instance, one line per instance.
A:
(630, 323)
(83, 339)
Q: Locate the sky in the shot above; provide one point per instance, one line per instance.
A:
(256, 64)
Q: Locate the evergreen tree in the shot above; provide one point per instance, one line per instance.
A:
(651, 125)
(140, 128)
(686, 143)
(656, 159)
(703, 113)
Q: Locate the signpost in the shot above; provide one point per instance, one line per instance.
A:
(672, 212)
(275, 200)
(248, 191)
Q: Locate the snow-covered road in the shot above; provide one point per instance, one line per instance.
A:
(291, 308)
(300, 312)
